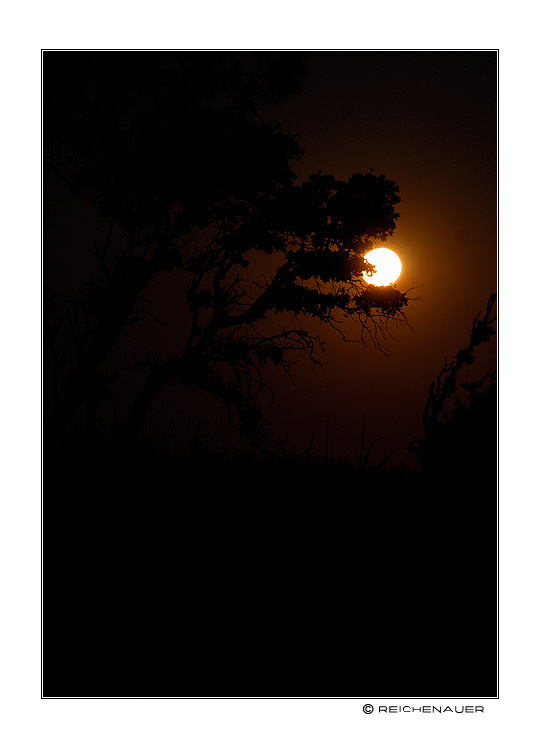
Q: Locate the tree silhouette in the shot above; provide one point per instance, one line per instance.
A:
(168, 146)
(460, 416)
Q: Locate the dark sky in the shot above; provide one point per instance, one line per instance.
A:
(428, 121)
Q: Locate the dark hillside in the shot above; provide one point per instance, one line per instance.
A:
(253, 578)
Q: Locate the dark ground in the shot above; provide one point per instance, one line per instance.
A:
(253, 579)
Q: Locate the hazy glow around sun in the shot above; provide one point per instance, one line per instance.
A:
(387, 266)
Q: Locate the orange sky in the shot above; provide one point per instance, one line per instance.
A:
(429, 122)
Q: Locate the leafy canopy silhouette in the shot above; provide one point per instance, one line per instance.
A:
(171, 150)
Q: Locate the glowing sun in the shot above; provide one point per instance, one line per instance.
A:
(387, 266)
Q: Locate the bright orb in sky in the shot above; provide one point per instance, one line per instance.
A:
(387, 266)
